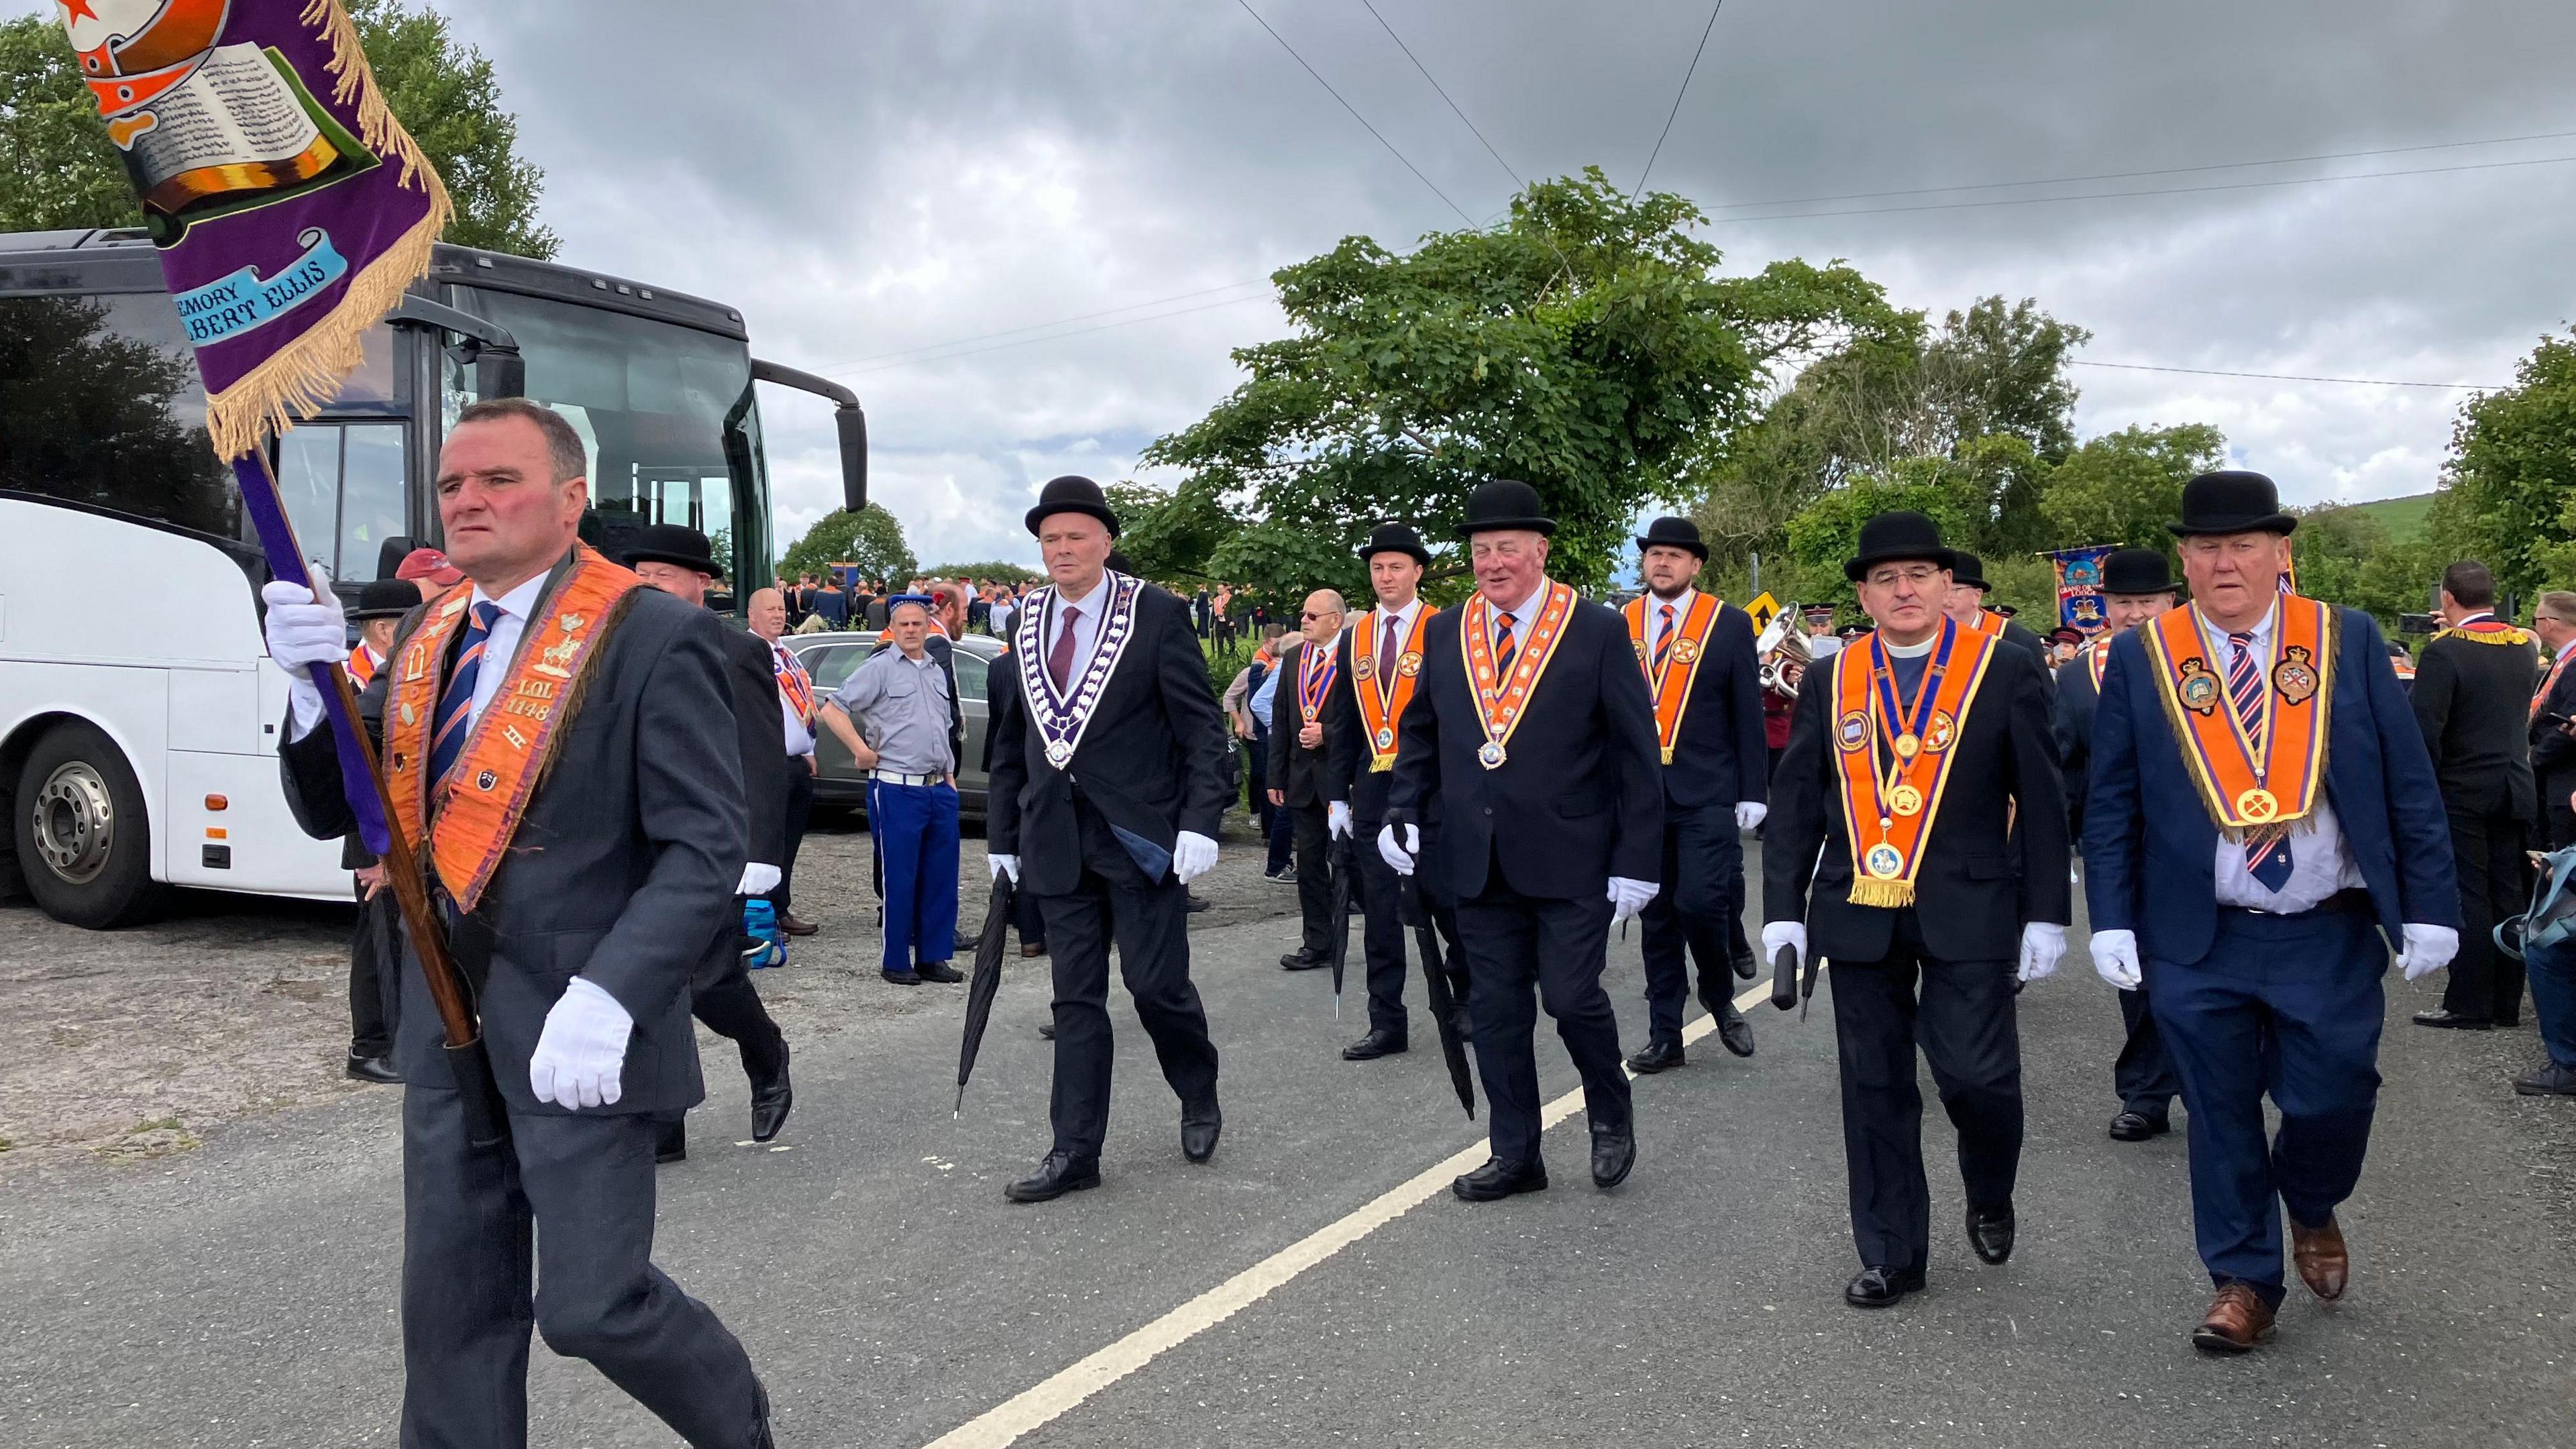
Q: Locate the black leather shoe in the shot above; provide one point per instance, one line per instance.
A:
(1061, 1173)
(2137, 1127)
(1658, 1056)
(1734, 1032)
(2445, 1016)
(1046, 1031)
(1614, 1151)
(1193, 904)
(1742, 961)
(2552, 1080)
(1498, 1179)
(1881, 1287)
(902, 978)
(1294, 961)
(772, 1100)
(671, 1142)
(939, 971)
(1372, 1046)
(376, 1069)
(1990, 1232)
(1199, 1128)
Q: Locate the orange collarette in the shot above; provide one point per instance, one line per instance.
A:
(1672, 686)
(1382, 700)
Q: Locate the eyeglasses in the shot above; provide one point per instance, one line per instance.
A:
(1312, 617)
(1919, 576)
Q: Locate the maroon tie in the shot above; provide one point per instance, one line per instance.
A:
(1386, 660)
(1060, 658)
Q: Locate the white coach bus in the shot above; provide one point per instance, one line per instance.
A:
(138, 709)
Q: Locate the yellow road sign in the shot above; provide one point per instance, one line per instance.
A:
(1764, 609)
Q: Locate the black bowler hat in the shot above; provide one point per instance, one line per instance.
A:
(1890, 537)
(672, 543)
(2234, 501)
(386, 599)
(1072, 493)
(1395, 538)
(1967, 570)
(2137, 571)
(1673, 533)
(1505, 505)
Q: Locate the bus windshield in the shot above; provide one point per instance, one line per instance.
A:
(666, 412)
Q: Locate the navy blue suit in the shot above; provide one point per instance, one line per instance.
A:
(2251, 1002)
(1719, 758)
(2143, 1072)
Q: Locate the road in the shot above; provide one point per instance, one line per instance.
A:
(242, 1293)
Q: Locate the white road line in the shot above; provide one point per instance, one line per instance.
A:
(1006, 1422)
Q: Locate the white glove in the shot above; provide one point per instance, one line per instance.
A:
(1337, 818)
(301, 634)
(2043, 944)
(2115, 958)
(582, 1051)
(1628, 897)
(1193, 855)
(757, 880)
(1792, 934)
(1006, 865)
(1749, 814)
(1399, 854)
(2428, 949)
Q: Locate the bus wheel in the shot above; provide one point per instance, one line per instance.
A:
(84, 844)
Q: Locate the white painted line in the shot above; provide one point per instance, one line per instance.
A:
(1034, 1407)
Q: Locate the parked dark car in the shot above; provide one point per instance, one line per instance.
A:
(832, 657)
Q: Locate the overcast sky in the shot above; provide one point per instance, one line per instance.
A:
(879, 187)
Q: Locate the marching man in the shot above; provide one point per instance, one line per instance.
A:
(2262, 799)
(1910, 755)
(1700, 671)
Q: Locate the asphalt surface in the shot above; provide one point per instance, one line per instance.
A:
(243, 1293)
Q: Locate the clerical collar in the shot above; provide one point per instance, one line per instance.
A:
(1909, 651)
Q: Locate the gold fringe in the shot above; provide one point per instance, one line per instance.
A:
(300, 379)
(2497, 636)
(1891, 895)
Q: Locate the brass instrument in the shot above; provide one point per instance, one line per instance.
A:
(1783, 645)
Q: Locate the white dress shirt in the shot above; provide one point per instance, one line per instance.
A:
(502, 642)
(2320, 863)
(1680, 604)
(1086, 628)
(1376, 625)
(800, 740)
(1523, 616)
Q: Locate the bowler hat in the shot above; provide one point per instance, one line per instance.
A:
(672, 543)
(386, 599)
(1673, 533)
(1505, 505)
(1967, 570)
(2233, 501)
(1072, 493)
(1395, 538)
(2137, 571)
(1898, 535)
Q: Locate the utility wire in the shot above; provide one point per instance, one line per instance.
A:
(2285, 376)
(1677, 101)
(1037, 326)
(1355, 114)
(1444, 93)
(1051, 337)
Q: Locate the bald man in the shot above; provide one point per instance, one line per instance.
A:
(1299, 763)
(767, 615)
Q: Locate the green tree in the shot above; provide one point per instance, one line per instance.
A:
(870, 538)
(1586, 345)
(1171, 534)
(2348, 556)
(2512, 475)
(58, 169)
(991, 571)
(2122, 488)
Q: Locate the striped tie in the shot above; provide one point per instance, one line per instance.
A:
(1504, 648)
(456, 701)
(2266, 859)
(1664, 642)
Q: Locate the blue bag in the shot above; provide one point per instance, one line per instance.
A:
(2550, 923)
(768, 946)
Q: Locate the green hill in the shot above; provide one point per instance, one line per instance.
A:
(2402, 517)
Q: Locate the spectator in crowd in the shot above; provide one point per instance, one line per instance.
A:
(428, 570)
(1277, 825)
(880, 608)
(948, 609)
(907, 694)
(797, 709)
(999, 614)
(2552, 715)
(1200, 611)
(830, 604)
(1298, 759)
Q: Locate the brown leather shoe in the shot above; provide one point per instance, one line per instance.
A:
(795, 927)
(2323, 1264)
(2236, 1321)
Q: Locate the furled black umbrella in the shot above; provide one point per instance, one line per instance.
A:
(1791, 987)
(987, 982)
(1340, 914)
(1444, 1002)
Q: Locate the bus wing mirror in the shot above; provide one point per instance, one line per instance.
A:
(851, 422)
(488, 347)
(500, 372)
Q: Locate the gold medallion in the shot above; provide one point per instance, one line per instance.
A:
(1905, 800)
(1905, 745)
(2257, 805)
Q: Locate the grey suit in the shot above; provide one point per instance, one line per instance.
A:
(624, 863)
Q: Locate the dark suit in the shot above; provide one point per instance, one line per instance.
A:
(1962, 939)
(722, 995)
(2250, 1002)
(1095, 840)
(1299, 774)
(2473, 700)
(1349, 779)
(1528, 850)
(2553, 760)
(2143, 1072)
(1718, 759)
(630, 848)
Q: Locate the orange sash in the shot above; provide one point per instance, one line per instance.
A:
(362, 666)
(1681, 665)
(2098, 657)
(1381, 703)
(1499, 701)
(1888, 810)
(467, 819)
(1989, 623)
(2251, 792)
(2549, 682)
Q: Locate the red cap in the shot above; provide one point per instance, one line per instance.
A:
(430, 564)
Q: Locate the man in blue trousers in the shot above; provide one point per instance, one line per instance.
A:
(2262, 800)
(907, 695)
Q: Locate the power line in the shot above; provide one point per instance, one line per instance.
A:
(1038, 326)
(1677, 101)
(1355, 113)
(1051, 337)
(1444, 94)
(2286, 376)
(2132, 175)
